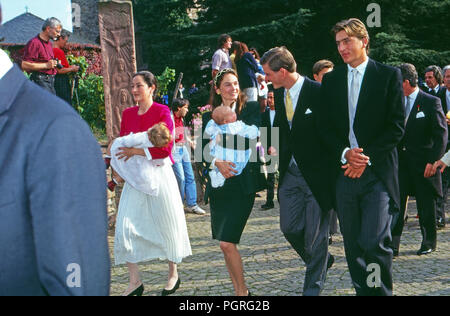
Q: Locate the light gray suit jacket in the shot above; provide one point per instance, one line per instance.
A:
(53, 224)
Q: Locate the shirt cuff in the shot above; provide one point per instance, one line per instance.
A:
(147, 153)
(213, 164)
(343, 160)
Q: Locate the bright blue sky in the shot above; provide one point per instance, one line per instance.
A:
(44, 9)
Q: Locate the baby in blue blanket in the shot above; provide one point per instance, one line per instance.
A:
(224, 121)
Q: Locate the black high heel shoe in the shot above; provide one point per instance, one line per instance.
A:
(173, 290)
(138, 292)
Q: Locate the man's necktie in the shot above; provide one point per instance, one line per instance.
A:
(289, 106)
(353, 101)
(408, 108)
(354, 92)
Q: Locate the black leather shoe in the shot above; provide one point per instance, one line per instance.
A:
(330, 261)
(425, 251)
(330, 240)
(173, 290)
(440, 223)
(267, 206)
(138, 291)
(395, 252)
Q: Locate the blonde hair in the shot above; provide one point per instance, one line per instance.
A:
(159, 135)
(279, 57)
(353, 27)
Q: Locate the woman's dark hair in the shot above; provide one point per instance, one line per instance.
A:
(234, 46)
(253, 50)
(149, 79)
(178, 103)
(217, 99)
(241, 50)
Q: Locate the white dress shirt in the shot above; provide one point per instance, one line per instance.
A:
(5, 64)
(412, 97)
(435, 89)
(446, 158)
(361, 69)
(294, 92)
(272, 117)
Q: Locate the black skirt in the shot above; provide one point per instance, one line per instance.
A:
(63, 88)
(230, 210)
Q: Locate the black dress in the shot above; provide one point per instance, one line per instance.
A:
(232, 203)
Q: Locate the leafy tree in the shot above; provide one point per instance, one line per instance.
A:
(412, 31)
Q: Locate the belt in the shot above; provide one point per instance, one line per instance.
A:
(42, 75)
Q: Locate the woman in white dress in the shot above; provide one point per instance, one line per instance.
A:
(150, 227)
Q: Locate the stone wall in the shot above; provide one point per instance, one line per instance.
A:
(88, 18)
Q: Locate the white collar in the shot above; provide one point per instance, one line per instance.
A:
(5, 64)
(361, 68)
(297, 87)
(413, 96)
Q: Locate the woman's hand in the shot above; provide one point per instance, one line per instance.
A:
(226, 168)
(126, 152)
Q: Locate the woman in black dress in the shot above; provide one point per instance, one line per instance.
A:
(231, 204)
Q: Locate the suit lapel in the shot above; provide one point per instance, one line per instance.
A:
(280, 114)
(340, 104)
(300, 108)
(370, 78)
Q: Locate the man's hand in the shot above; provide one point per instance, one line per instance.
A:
(438, 164)
(353, 173)
(51, 64)
(356, 158)
(226, 168)
(429, 171)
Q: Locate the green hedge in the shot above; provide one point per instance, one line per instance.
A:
(89, 100)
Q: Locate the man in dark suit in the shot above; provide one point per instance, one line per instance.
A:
(53, 230)
(305, 190)
(361, 120)
(433, 80)
(444, 95)
(267, 121)
(424, 143)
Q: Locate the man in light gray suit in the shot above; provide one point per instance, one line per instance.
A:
(53, 228)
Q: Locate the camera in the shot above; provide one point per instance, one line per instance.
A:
(58, 64)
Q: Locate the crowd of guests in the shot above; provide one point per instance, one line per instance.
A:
(354, 144)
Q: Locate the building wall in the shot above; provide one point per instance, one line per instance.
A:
(85, 19)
